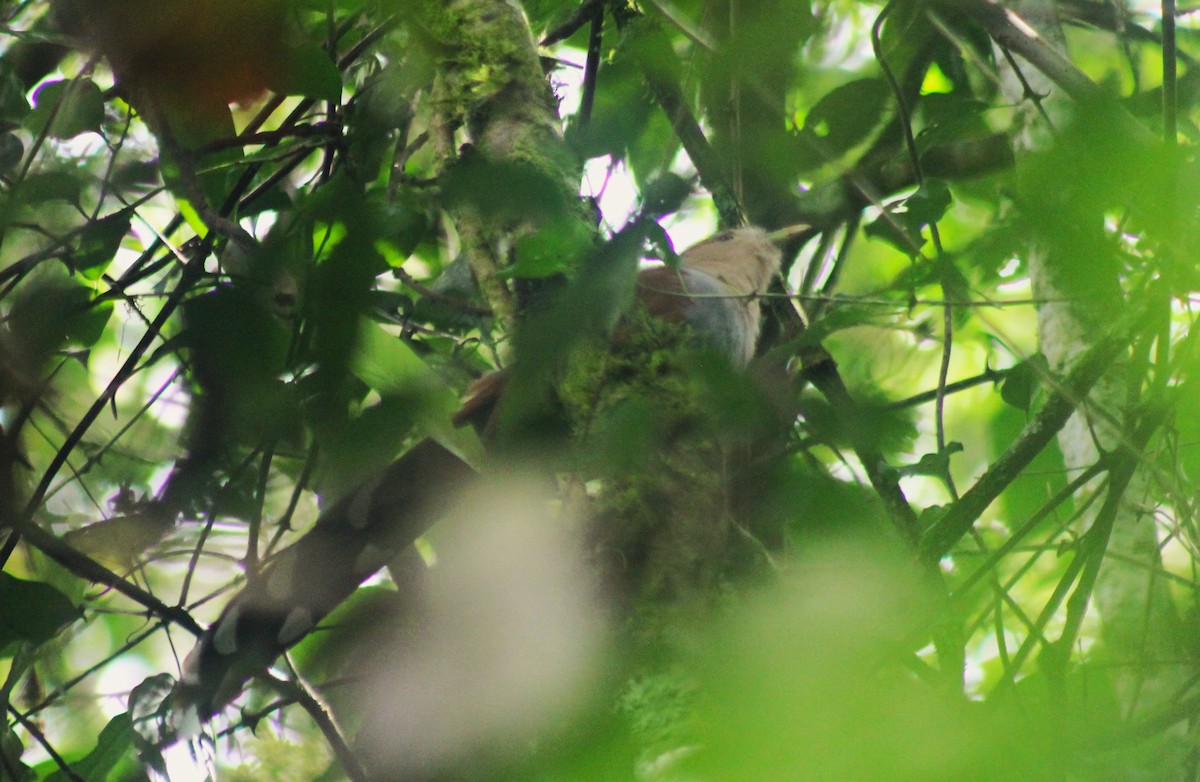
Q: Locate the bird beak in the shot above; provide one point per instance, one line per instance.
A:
(783, 234)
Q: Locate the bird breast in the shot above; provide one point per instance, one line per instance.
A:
(724, 319)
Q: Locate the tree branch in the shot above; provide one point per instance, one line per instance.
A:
(961, 516)
(88, 568)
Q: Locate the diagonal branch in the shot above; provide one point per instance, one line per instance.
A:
(961, 516)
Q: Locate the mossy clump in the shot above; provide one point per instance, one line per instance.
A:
(658, 516)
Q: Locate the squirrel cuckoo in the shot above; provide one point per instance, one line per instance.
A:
(714, 292)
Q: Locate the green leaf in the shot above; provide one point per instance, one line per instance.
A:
(11, 750)
(13, 105)
(505, 191)
(842, 119)
(71, 107)
(902, 228)
(665, 194)
(48, 186)
(235, 338)
(388, 365)
(620, 112)
(87, 326)
(11, 152)
(100, 240)
(308, 71)
(113, 745)
(950, 117)
(32, 612)
(929, 203)
(360, 617)
(554, 249)
(1023, 381)
(934, 464)
(50, 310)
(654, 147)
(897, 230)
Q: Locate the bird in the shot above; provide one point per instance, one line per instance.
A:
(716, 289)
(714, 292)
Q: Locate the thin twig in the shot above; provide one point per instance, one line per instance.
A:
(1061, 405)
(989, 375)
(321, 715)
(40, 737)
(465, 307)
(578, 18)
(592, 67)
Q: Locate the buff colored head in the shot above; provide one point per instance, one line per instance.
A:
(745, 259)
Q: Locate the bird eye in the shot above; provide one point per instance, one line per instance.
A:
(724, 237)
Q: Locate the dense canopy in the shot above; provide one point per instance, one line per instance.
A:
(255, 254)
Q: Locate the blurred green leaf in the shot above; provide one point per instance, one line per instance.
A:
(929, 203)
(555, 248)
(48, 186)
(504, 191)
(235, 337)
(11, 750)
(842, 119)
(1023, 380)
(786, 698)
(12, 151)
(308, 71)
(50, 310)
(665, 194)
(71, 107)
(898, 230)
(620, 113)
(32, 612)
(13, 105)
(100, 240)
(114, 744)
(933, 464)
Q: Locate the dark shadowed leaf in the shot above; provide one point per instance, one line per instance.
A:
(929, 203)
(936, 465)
(48, 186)
(32, 612)
(665, 194)
(507, 191)
(51, 310)
(11, 750)
(100, 240)
(308, 71)
(898, 230)
(619, 114)
(1023, 381)
(13, 105)
(11, 152)
(842, 119)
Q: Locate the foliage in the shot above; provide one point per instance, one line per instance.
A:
(251, 252)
